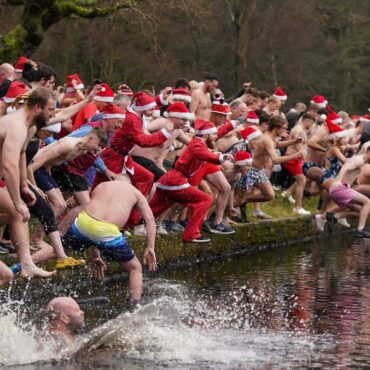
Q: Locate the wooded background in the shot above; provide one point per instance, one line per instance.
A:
(307, 46)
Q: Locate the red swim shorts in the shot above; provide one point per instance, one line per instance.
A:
(204, 170)
(294, 166)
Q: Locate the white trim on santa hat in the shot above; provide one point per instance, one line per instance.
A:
(211, 130)
(281, 97)
(78, 87)
(182, 97)
(8, 100)
(254, 135)
(320, 105)
(107, 99)
(113, 115)
(338, 135)
(143, 107)
(253, 120)
(244, 162)
(180, 115)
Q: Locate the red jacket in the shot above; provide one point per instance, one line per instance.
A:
(131, 133)
(194, 157)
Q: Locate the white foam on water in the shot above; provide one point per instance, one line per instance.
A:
(21, 342)
(176, 330)
(161, 333)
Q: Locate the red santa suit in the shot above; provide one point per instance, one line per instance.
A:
(174, 187)
(117, 158)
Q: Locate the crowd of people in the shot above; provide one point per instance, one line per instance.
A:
(93, 165)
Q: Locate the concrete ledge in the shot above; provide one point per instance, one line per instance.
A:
(172, 252)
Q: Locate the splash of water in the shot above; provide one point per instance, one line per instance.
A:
(177, 329)
(21, 341)
(173, 331)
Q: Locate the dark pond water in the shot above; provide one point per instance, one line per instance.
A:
(303, 306)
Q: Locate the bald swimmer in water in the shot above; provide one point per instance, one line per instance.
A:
(65, 318)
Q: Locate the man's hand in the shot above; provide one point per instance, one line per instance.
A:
(298, 140)
(228, 157)
(150, 259)
(93, 92)
(98, 266)
(234, 212)
(21, 208)
(285, 135)
(111, 175)
(28, 196)
(166, 91)
(40, 192)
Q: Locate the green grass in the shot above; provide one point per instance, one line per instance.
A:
(281, 207)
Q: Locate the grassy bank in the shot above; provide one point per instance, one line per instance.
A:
(280, 207)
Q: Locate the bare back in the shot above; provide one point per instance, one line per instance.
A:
(108, 203)
(58, 152)
(351, 169)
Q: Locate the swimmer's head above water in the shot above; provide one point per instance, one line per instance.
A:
(65, 317)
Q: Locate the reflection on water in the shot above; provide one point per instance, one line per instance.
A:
(300, 306)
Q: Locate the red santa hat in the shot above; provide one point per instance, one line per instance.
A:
(203, 127)
(105, 94)
(110, 111)
(364, 118)
(252, 117)
(319, 100)
(16, 88)
(335, 131)
(220, 107)
(142, 101)
(250, 133)
(19, 65)
(242, 158)
(178, 110)
(125, 89)
(280, 94)
(332, 116)
(78, 83)
(181, 94)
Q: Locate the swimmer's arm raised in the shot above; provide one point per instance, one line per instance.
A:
(70, 111)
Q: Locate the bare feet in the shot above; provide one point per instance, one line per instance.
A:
(31, 270)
